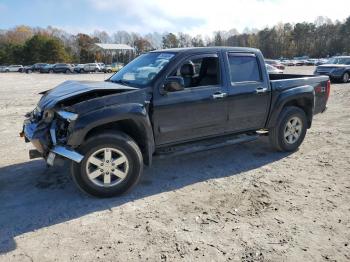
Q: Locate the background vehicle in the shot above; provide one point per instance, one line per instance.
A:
(13, 68)
(288, 62)
(57, 68)
(273, 70)
(108, 69)
(200, 98)
(337, 68)
(78, 68)
(46, 68)
(102, 67)
(91, 67)
(311, 62)
(275, 63)
(117, 66)
(34, 68)
(322, 61)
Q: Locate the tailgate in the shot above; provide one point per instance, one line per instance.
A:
(322, 91)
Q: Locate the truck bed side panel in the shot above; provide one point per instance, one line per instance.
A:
(291, 87)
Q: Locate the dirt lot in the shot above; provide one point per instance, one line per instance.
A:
(240, 203)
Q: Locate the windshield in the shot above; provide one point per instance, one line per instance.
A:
(141, 71)
(339, 60)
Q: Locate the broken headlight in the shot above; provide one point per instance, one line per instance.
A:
(69, 116)
(48, 116)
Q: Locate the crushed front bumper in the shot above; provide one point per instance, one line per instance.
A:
(43, 138)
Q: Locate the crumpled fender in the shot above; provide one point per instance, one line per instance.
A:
(111, 114)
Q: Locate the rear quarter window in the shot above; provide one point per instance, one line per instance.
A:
(244, 68)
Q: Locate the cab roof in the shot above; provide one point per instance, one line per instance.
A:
(208, 49)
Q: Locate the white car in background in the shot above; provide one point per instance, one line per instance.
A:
(151, 70)
(92, 67)
(14, 68)
(273, 70)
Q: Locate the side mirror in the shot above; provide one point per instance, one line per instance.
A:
(174, 83)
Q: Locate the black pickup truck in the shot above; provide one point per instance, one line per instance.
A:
(169, 102)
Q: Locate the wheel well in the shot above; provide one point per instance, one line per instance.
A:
(305, 105)
(128, 127)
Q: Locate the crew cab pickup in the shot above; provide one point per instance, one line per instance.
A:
(169, 102)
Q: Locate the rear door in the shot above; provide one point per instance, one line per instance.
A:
(249, 92)
(199, 111)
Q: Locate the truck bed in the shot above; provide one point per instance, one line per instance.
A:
(282, 82)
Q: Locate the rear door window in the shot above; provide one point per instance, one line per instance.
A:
(244, 68)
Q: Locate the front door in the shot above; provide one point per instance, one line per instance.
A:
(198, 111)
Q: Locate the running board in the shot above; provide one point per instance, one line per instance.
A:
(204, 145)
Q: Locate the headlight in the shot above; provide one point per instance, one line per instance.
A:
(69, 116)
(48, 116)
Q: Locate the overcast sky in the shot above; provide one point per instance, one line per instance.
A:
(144, 16)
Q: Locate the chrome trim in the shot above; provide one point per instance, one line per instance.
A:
(67, 115)
(68, 153)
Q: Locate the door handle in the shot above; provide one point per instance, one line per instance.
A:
(261, 90)
(219, 95)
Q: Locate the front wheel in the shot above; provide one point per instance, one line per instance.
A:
(290, 130)
(112, 164)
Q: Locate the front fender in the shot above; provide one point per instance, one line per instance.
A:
(112, 114)
(303, 94)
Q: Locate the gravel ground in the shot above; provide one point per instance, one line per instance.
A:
(240, 203)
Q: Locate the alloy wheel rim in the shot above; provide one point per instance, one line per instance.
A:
(107, 167)
(292, 130)
(346, 77)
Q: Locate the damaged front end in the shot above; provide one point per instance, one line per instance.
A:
(47, 131)
(53, 122)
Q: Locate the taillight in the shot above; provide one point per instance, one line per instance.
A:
(328, 89)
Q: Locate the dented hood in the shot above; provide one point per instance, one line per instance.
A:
(70, 89)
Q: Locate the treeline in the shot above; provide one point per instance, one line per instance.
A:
(26, 45)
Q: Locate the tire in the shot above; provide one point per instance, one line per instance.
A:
(123, 147)
(68, 71)
(29, 71)
(345, 77)
(50, 71)
(278, 135)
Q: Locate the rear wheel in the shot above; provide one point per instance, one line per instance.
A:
(50, 71)
(112, 164)
(68, 71)
(345, 77)
(290, 130)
